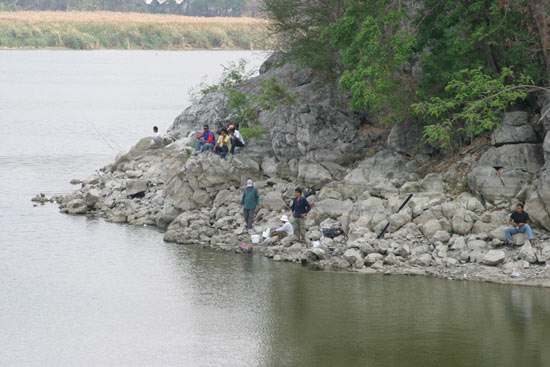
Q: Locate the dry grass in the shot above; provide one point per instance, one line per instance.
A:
(111, 17)
(96, 30)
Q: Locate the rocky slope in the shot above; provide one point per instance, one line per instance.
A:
(360, 175)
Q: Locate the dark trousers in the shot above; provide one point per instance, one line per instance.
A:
(223, 150)
(235, 143)
(249, 217)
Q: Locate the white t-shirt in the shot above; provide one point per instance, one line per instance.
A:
(287, 227)
(157, 134)
(238, 135)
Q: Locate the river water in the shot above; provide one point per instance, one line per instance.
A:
(82, 292)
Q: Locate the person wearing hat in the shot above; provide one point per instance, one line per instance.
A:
(285, 230)
(250, 202)
(300, 208)
(236, 138)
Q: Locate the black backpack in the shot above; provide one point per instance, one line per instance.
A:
(331, 232)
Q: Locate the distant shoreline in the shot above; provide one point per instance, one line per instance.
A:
(130, 31)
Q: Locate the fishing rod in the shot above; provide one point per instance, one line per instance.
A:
(401, 207)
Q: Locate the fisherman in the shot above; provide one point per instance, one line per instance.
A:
(300, 208)
(156, 131)
(285, 230)
(250, 202)
(520, 224)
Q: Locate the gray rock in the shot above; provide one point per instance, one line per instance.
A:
(527, 157)
(354, 257)
(433, 183)
(92, 197)
(494, 257)
(333, 208)
(135, 187)
(516, 118)
(430, 228)
(406, 138)
(497, 187)
(373, 258)
(514, 129)
(273, 201)
(527, 253)
(544, 255)
(441, 236)
(424, 260)
(77, 206)
(311, 173)
(463, 221)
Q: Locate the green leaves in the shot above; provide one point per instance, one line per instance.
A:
(373, 47)
(475, 104)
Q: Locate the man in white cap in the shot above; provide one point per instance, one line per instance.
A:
(250, 202)
(285, 230)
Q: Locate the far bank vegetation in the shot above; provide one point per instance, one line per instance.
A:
(99, 30)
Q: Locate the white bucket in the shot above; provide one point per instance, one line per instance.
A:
(255, 238)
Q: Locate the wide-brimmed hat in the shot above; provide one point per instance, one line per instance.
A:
(284, 218)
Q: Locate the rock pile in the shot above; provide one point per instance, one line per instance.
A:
(314, 143)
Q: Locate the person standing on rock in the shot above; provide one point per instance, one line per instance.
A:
(236, 138)
(250, 202)
(205, 140)
(300, 208)
(520, 224)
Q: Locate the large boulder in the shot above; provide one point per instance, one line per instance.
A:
(406, 138)
(311, 173)
(494, 257)
(273, 201)
(515, 128)
(527, 157)
(309, 128)
(333, 208)
(135, 187)
(497, 187)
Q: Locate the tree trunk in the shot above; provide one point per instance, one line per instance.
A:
(542, 21)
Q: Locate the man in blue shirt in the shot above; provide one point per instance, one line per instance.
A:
(300, 208)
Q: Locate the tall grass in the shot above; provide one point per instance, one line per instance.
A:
(97, 30)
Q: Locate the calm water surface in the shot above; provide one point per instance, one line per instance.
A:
(81, 292)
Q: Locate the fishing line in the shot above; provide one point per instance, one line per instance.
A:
(109, 144)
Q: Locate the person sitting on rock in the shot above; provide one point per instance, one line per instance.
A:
(300, 208)
(223, 146)
(156, 131)
(236, 138)
(283, 231)
(205, 140)
(520, 224)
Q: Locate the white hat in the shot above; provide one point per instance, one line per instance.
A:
(284, 218)
(249, 183)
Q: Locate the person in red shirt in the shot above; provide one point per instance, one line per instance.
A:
(205, 140)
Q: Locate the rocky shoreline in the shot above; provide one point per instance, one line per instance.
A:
(453, 226)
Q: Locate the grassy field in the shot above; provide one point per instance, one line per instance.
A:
(104, 30)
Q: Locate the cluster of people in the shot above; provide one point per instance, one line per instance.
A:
(250, 202)
(228, 140)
